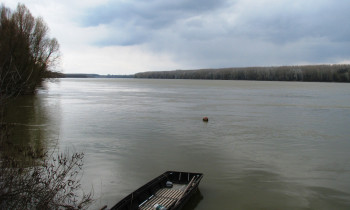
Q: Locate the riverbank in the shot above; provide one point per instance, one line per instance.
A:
(308, 73)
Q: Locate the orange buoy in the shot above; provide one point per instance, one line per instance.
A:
(205, 119)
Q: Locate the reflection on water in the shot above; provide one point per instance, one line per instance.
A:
(30, 123)
(272, 145)
(194, 201)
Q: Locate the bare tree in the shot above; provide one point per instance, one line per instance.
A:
(27, 53)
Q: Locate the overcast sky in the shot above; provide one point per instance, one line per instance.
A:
(129, 36)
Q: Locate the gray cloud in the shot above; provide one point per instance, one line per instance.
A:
(290, 22)
(212, 33)
(133, 22)
(152, 13)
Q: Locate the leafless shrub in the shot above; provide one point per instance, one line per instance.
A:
(32, 179)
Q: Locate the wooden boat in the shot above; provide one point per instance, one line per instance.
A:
(169, 191)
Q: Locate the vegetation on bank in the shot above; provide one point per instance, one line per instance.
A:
(320, 73)
(27, 53)
(82, 75)
(32, 178)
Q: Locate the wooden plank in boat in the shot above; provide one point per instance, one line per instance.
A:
(166, 202)
(169, 193)
(165, 197)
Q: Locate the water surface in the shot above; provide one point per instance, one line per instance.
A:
(267, 145)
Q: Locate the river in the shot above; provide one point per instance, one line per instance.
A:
(267, 145)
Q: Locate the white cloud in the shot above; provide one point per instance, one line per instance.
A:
(112, 59)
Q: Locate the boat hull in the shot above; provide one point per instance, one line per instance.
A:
(157, 191)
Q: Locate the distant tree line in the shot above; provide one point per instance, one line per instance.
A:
(27, 53)
(321, 73)
(82, 75)
(79, 76)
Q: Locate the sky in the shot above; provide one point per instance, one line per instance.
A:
(130, 36)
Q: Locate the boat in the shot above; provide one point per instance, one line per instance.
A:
(169, 191)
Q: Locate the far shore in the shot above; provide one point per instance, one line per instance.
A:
(307, 73)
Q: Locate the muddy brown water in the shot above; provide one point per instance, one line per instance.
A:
(267, 145)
